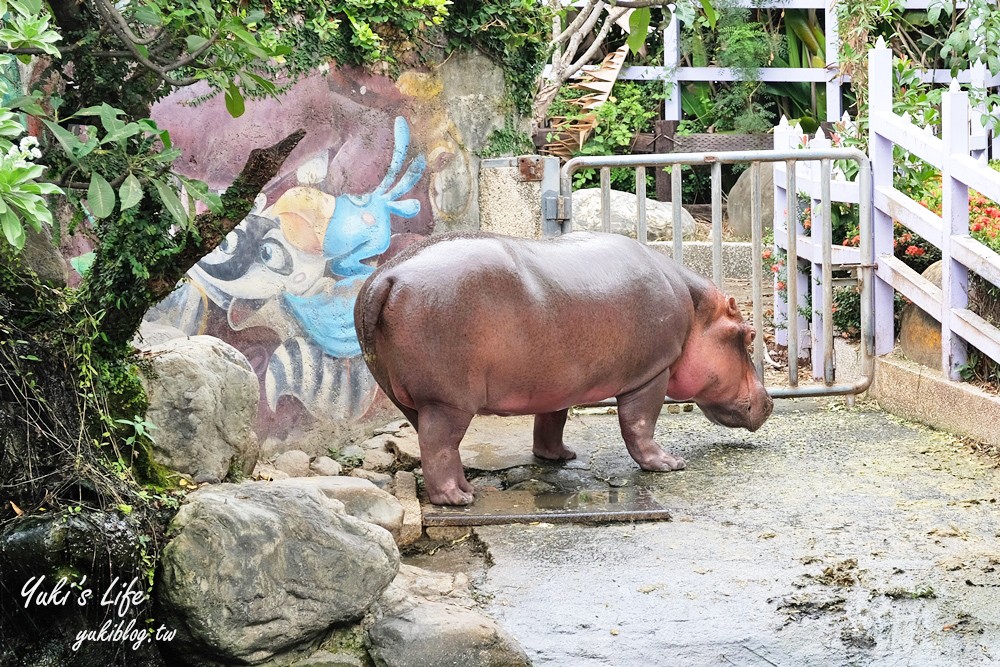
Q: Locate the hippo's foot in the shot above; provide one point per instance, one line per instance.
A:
(451, 494)
(558, 453)
(548, 442)
(660, 461)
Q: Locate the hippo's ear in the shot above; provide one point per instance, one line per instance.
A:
(748, 335)
(733, 310)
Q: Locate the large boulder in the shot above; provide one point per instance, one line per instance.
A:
(258, 569)
(43, 257)
(427, 618)
(659, 215)
(203, 398)
(739, 203)
(362, 499)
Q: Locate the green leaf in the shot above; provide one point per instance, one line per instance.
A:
(130, 192)
(195, 42)
(710, 13)
(147, 14)
(12, 228)
(234, 101)
(66, 139)
(100, 197)
(638, 26)
(82, 263)
(172, 202)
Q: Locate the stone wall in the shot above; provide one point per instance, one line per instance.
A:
(384, 160)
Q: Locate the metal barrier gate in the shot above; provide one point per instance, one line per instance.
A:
(561, 211)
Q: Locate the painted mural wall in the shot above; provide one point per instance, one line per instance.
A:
(384, 162)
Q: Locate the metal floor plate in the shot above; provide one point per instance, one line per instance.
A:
(495, 507)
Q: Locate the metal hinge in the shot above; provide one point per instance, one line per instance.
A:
(557, 208)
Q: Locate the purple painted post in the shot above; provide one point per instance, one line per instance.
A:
(955, 222)
(880, 86)
(819, 223)
(781, 203)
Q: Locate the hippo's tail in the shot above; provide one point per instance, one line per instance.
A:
(367, 313)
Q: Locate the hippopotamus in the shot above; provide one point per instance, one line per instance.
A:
(463, 324)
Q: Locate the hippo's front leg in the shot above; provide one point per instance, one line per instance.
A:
(548, 437)
(637, 414)
(441, 431)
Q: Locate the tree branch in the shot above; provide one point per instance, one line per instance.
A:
(261, 166)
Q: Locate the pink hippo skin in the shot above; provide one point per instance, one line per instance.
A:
(465, 324)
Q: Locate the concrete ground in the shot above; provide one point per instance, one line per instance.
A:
(832, 536)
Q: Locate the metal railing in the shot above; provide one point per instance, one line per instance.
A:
(864, 269)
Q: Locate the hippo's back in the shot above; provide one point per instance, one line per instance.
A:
(511, 323)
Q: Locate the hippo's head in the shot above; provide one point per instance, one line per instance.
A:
(715, 369)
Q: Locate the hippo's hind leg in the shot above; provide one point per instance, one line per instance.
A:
(637, 414)
(548, 437)
(440, 433)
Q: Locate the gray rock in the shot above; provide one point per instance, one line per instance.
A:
(380, 479)
(293, 462)
(327, 659)
(362, 499)
(435, 633)
(738, 204)
(269, 473)
(351, 452)
(203, 398)
(257, 569)
(42, 256)
(429, 618)
(378, 461)
(919, 332)
(155, 333)
(659, 215)
(405, 489)
(324, 466)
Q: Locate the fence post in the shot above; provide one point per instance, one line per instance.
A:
(833, 97)
(880, 87)
(782, 201)
(955, 222)
(817, 283)
(671, 61)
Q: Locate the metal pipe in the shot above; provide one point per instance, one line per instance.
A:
(606, 199)
(717, 224)
(792, 270)
(676, 200)
(827, 240)
(640, 205)
(725, 157)
(756, 227)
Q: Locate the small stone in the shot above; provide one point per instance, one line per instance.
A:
(269, 474)
(406, 494)
(393, 427)
(324, 466)
(518, 475)
(351, 452)
(379, 479)
(378, 443)
(378, 461)
(294, 462)
(447, 533)
(206, 478)
(533, 486)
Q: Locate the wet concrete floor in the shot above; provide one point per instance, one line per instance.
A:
(832, 536)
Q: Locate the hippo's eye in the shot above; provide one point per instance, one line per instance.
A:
(275, 257)
(361, 200)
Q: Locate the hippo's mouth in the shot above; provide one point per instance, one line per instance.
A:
(747, 414)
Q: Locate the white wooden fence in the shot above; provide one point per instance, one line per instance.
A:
(674, 75)
(961, 169)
